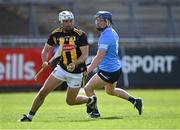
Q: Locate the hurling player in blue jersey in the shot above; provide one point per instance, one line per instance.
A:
(109, 65)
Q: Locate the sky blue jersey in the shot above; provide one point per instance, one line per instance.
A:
(108, 42)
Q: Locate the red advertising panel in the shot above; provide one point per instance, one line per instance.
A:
(18, 66)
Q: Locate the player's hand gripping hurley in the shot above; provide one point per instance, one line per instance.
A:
(56, 55)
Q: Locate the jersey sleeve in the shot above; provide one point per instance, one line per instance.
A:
(50, 40)
(83, 40)
(103, 44)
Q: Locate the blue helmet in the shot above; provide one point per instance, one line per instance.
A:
(104, 15)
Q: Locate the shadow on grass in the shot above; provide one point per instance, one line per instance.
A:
(101, 118)
(86, 119)
(63, 119)
(112, 118)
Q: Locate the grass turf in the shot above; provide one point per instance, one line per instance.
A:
(161, 111)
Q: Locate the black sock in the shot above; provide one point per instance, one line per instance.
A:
(131, 99)
(89, 100)
(32, 113)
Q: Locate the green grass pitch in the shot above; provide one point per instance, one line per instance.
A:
(161, 111)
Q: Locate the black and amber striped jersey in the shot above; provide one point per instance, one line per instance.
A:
(71, 41)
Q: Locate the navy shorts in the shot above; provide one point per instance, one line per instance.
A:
(109, 77)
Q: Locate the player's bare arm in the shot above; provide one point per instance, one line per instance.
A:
(84, 55)
(96, 60)
(44, 55)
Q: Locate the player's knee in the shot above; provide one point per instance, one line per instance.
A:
(70, 102)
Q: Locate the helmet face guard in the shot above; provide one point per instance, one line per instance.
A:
(106, 16)
(65, 15)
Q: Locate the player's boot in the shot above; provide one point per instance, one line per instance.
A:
(24, 119)
(95, 113)
(92, 109)
(138, 105)
(91, 105)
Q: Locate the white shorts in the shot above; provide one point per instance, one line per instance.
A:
(73, 80)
